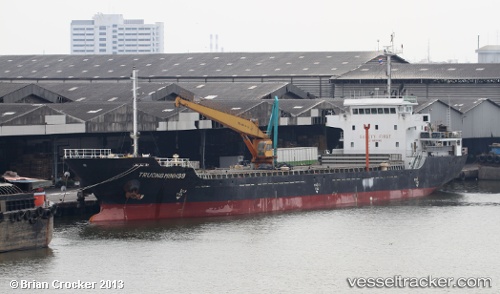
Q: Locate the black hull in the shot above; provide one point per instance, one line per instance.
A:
(142, 182)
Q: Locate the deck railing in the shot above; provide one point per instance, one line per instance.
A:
(106, 153)
(176, 161)
(88, 153)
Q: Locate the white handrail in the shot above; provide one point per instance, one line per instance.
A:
(87, 153)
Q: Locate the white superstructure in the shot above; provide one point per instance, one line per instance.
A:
(392, 126)
(112, 34)
(393, 129)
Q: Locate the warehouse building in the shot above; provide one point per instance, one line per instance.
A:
(52, 102)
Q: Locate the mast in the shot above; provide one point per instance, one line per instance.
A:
(134, 120)
(388, 55)
(389, 52)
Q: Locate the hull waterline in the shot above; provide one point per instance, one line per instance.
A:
(156, 211)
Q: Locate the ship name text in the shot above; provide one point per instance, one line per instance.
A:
(174, 176)
(381, 136)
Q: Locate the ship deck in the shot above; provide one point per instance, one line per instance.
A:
(296, 170)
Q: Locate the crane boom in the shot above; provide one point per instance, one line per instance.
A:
(233, 122)
(261, 147)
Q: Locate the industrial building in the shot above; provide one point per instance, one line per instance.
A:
(52, 102)
(488, 54)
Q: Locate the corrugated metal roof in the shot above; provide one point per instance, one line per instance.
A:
(181, 65)
(242, 91)
(236, 107)
(104, 92)
(163, 109)
(466, 105)
(122, 92)
(446, 71)
(7, 88)
(297, 107)
(12, 111)
(85, 111)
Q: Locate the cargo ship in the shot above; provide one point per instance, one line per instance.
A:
(389, 153)
(26, 218)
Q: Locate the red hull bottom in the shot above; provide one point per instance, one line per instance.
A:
(124, 212)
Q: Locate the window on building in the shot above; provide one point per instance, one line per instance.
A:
(353, 128)
(376, 127)
(376, 144)
(352, 144)
(395, 127)
(397, 144)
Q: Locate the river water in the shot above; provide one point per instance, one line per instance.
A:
(452, 234)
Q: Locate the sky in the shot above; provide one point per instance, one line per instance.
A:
(436, 30)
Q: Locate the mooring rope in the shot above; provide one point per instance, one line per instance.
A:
(130, 170)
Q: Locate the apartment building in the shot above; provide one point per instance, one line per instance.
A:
(112, 34)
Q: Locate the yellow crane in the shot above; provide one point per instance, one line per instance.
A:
(261, 146)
